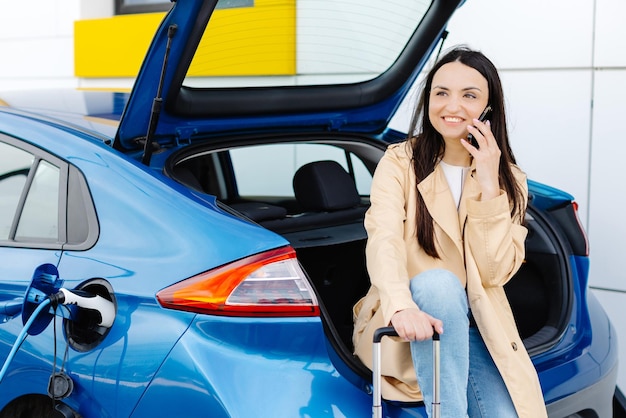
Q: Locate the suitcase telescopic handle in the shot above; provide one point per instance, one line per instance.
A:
(391, 332)
(377, 409)
(384, 331)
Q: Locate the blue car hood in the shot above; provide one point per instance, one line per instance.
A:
(166, 110)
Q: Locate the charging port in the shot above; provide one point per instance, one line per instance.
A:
(83, 331)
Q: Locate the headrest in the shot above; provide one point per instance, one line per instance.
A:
(324, 186)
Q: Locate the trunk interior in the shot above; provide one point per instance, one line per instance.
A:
(334, 258)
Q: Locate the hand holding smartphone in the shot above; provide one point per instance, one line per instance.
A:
(482, 118)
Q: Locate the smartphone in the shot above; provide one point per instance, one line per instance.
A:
(482, 118)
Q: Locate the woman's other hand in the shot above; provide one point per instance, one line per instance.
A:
(487, 157)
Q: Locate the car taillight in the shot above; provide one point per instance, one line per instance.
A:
(267, 284)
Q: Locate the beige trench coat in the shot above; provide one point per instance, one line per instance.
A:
(484, 257)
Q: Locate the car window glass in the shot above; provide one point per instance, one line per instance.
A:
(40, 216)
(362, 177)
(307, 42)
(14, 166)
(268, 170)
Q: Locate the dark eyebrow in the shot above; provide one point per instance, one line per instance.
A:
(446, 88)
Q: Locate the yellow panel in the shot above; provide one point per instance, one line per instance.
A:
(115, 47)
(228, 49)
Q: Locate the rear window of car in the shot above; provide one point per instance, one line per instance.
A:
(38, 216)
(304, 42)
(268, 170)
(14, 167)
(44, 201)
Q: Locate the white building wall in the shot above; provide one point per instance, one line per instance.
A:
(563, 67)
(37, 41)
(607, 225)
(36, 44)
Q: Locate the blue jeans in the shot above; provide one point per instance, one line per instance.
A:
(470, 383)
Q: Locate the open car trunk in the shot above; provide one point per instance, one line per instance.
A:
(323, 221)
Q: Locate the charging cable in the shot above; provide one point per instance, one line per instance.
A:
(22, 336)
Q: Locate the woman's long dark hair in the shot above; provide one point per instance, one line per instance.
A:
(429, 146)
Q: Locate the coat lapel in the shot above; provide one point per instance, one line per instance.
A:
(439, 202)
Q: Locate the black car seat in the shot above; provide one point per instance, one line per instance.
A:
(327, 196)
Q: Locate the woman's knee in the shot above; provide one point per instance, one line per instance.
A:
(438, 286)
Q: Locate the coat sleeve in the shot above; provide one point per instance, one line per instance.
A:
(495, 238)
(385, 251)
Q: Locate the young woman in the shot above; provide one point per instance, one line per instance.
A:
(445, 233)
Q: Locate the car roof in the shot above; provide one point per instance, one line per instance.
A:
(183, 105)
(96, 113)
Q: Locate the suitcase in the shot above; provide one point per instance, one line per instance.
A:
(377, 408)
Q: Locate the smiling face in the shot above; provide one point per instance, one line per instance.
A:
(458, 95)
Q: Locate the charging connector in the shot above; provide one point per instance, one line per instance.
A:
(86, 300)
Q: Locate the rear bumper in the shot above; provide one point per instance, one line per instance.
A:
(597, 398)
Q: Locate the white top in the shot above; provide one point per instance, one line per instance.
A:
(456, 179)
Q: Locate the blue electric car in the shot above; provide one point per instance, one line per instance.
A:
(194, 247)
